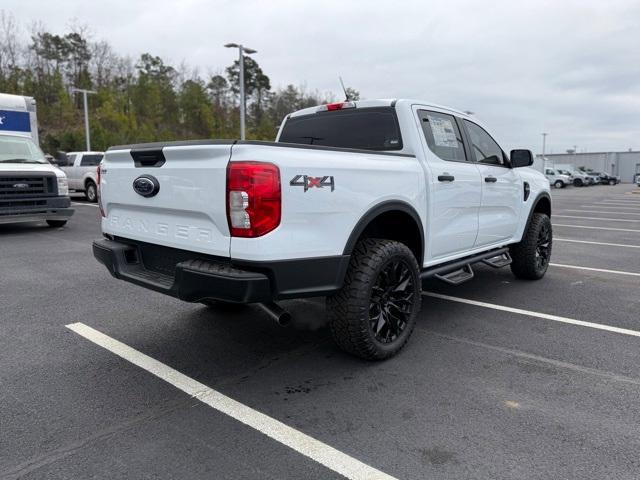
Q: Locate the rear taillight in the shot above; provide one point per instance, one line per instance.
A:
(253, 198)
(98, 191)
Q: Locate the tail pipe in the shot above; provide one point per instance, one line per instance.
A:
(277, 313)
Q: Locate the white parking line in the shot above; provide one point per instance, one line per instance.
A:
(598, 211)
(598, 218)
(618, 204)
(625, 205)
(617, 272)
(545, 316)
(596, 228)
(596, 243)
(601, 205)
(322, 453)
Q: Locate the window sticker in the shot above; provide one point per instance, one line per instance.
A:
(443, 132)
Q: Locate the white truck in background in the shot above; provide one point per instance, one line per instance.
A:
(31, 189)
(81, 169)
(356, 201)
(557, 178)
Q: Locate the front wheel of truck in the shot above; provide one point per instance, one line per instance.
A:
(373, 314)
(532, 254)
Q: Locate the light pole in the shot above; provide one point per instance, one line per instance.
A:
(544, 142)
(86, 112)
(241, 50)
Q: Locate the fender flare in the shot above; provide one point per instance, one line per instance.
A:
(372, 213)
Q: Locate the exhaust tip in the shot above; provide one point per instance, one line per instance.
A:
(277, 313)
(284, 319)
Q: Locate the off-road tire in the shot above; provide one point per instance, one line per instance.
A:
(349, 309)
(91, 192)
(56, 223)
(526, 262)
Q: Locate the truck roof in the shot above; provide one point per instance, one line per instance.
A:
(384, 102)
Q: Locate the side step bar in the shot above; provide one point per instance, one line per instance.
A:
(459, 271)
(456, 277)
(498, 261)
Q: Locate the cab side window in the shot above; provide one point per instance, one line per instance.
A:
(443, 135)
(485, 149)
(549, 172)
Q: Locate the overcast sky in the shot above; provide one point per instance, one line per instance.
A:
(570, 68)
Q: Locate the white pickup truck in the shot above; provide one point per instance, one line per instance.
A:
(355, 201)
(81, 170)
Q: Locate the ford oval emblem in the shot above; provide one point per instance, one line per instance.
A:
(146, 185)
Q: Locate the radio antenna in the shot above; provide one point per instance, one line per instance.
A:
(346, 95)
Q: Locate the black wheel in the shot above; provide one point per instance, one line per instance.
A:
(532, 254)
(612, 182)
(558, 184)
(577, 182)
(91, 192)
(373, 314)
(56, 223)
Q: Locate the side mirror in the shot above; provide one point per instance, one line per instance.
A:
(521, 158)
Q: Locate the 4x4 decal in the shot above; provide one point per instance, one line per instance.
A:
(312, 182)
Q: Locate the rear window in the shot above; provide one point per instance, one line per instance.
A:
(362, 128)
(91, 160)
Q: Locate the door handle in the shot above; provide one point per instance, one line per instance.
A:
(490, 179)
(446, 178)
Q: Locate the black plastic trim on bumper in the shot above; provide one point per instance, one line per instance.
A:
(46, 208)
(214, 278)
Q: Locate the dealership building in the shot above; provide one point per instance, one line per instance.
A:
(626, 165)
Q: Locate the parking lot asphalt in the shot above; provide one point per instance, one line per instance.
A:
(502, 378)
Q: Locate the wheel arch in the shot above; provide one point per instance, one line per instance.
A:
(397, 219)
(542, 204)
(88, 179)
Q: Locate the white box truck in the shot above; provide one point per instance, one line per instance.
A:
(31, 189)
(18, 115)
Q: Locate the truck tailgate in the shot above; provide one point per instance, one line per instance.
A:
(188, 211)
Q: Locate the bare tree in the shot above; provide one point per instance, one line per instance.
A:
(103, 64)
(9, 46)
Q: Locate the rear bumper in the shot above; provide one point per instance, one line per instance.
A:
(35, 209)
(195, 277)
